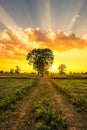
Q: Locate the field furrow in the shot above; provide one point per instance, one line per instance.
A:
(43, 108)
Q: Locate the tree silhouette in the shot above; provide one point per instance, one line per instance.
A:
(11, 71)
(62, 68)
(17, 70)
(41, 59)
(1, 71)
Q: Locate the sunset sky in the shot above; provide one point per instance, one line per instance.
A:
(60, 25)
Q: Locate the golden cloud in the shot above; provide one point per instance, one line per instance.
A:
(13, 46)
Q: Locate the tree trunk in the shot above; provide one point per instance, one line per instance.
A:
(42, 75)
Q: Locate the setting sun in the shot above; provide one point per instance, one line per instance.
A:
(64, 32)
(53, 68)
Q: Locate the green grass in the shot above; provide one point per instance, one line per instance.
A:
(43, 113)
(10, 86)
(76, 89)
(12, 90)
(40, 114)
(45, 117)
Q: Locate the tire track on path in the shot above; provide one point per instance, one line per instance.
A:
(58, 101)
(26, 104)
(75, 120)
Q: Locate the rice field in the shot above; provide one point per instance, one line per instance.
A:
(75, 89)
(13, 89)
(37, 103)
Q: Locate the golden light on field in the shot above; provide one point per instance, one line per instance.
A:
(24, 30)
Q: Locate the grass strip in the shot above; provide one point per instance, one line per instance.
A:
(9, 101)
(78, 100)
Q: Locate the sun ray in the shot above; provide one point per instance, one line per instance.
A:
(7, 21)
(48, 13)
(76, 15)
(10, 24)
(44, 9)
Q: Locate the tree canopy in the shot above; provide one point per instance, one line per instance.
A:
(41, 59)
(17, 70)
(62, 68)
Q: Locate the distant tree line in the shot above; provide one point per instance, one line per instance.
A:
(42, 60)
(16, 70)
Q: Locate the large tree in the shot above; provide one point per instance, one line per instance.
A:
(41, 59)
(62, 68)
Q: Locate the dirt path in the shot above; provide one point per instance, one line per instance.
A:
(17, 117)
(75, 120)
(24, 106)
(21, 117)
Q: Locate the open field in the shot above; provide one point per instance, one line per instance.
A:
(12, 89)
(9, 86)
(75, 89)
(38, 104)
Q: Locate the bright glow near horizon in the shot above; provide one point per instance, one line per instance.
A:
(33, 24)
(53, 68)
